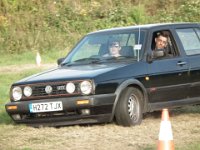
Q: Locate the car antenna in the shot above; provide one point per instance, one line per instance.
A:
(138, 46)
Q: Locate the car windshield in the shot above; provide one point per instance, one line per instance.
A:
(109, 47)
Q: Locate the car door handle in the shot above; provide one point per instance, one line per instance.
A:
(181, 63)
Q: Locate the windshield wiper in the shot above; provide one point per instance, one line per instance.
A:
(89, 60)
(117, 58)
(96, 60)
(82, 61)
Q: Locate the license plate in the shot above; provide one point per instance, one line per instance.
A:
(45, 107)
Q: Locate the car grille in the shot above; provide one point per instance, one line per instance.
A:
(58, 90)
(40, 90)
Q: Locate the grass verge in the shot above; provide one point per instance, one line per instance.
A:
(185, 124)
(30, 57)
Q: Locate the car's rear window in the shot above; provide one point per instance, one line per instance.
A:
(190, 39)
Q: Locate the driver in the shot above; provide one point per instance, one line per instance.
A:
(114, 49)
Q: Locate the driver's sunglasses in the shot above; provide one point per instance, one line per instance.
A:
(116, 46)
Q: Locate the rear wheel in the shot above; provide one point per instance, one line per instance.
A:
(129, 107)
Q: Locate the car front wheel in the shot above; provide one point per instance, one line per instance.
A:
(129, 107)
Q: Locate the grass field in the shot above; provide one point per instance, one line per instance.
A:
(29, 57)
(185, 124)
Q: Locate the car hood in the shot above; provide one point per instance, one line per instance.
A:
(72, 73)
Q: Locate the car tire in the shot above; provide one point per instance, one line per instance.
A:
(129, 107)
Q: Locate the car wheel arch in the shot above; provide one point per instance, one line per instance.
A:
(130, 83)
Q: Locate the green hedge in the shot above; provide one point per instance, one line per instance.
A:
(45, 25)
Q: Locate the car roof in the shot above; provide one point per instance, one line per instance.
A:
(145, 27)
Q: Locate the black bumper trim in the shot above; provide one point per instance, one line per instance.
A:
(63, 121)
(100, 106)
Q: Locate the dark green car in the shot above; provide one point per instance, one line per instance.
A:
(89, 86)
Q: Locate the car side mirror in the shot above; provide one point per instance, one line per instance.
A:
(149, 58)
(154, 55)
(60, 60)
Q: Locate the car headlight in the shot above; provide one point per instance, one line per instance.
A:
(27, 91)
(17, 93)
(86, 87)
(70, 87)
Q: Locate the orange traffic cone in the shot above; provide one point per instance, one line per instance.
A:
(165, 135)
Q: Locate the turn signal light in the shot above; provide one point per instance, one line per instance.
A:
(12, 107)
(82, 102)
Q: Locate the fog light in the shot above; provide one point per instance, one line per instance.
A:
(16, 117)
(85, 111)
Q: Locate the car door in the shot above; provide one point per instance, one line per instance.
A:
(168, 76)
(190, 41)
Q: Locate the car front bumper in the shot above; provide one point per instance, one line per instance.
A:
(99, 109)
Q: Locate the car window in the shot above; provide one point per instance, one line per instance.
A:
(167, 47)
(190, 40)
(87, 50)
(97, 45)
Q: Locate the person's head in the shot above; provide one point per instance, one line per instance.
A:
(161, 40)
(114, 48)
